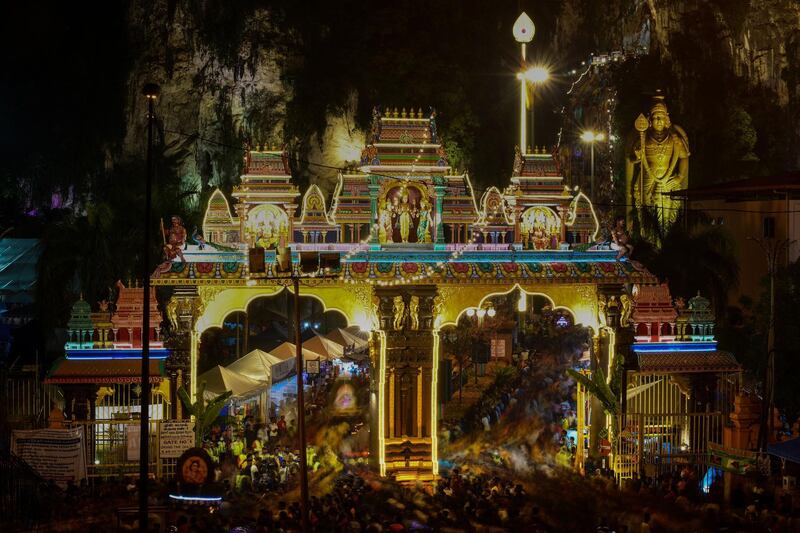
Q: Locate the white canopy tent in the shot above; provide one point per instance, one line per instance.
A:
(255, 365)
(321, 344)
(219, 380)
(286, 353)
(358, 332)
(347, 339)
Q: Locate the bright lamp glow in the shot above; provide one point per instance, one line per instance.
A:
(537, 74)
(481, 313)
(590, 136)
(491, 312)
(522, 304)
(471, 312)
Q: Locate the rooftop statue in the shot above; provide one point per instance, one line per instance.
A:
(658, 163)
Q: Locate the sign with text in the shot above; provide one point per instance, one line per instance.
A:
(133, 432)
(176, 437)
(58, 455)
(731, 460)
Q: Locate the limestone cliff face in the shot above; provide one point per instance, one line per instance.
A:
(211, 100)
(225, 72)
(756, 42)
(758, 39)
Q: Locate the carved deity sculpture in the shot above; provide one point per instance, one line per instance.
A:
(518, 162)
(620, 240)
(174, 239)
(601, 311)
(384, 222)
(425, 222)
(404, 214)
(172, 313)
(413, 312)
(399, 311)
(657, 164)
(626, 314)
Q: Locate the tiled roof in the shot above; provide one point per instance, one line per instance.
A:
(687, 362)
(102, 371)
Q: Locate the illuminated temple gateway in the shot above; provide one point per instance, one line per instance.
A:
(418, 249)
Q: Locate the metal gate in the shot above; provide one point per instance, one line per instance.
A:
(652, 444)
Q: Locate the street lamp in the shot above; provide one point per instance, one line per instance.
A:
(523, 31)
(534, 76)
(150, 92)
(316, 265)
(592, 137)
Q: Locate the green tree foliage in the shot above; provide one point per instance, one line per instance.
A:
(691, 255)
(597, 386)
(205, 413)
(745, 334)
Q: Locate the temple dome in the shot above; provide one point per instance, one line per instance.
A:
(80, 316)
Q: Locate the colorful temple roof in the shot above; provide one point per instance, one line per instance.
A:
(102, 371)
(688, 362)
(405, 204)
(671, 338)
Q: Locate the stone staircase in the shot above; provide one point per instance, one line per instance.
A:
(471, 393)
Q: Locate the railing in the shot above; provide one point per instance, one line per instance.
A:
(651, 444)
(24, 497)
(28, 400)
(112, 448)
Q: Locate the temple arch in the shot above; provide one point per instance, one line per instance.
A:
(580, 303)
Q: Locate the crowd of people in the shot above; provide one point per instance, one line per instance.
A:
(530, 405)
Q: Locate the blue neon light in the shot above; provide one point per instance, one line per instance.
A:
(196, 498)
(646, 347)
(114, 353)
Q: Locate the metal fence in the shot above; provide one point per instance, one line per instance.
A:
(112, 448)
(652, 444)
(28, 400)
(25, 498)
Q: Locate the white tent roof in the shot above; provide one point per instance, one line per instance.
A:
(219, 380)
(287, 350)
(255, 365)
(358, 332)
(323, 345)
(345, 338)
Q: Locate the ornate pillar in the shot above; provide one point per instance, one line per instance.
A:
(440, 189)
(562, 215)
(407, 366)
(178, 324)
(374, 189)
(241, 212)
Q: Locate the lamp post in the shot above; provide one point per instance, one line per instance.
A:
(150, 91)
(310, 262)
(772, 248)
(534, 76)
(301, 407)
(523, 31)
(592, 137)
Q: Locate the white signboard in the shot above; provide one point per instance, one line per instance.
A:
(176, 437)
(55, 454)
(133, 433)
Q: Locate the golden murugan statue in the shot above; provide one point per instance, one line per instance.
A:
(399, 310)
(657, 164)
